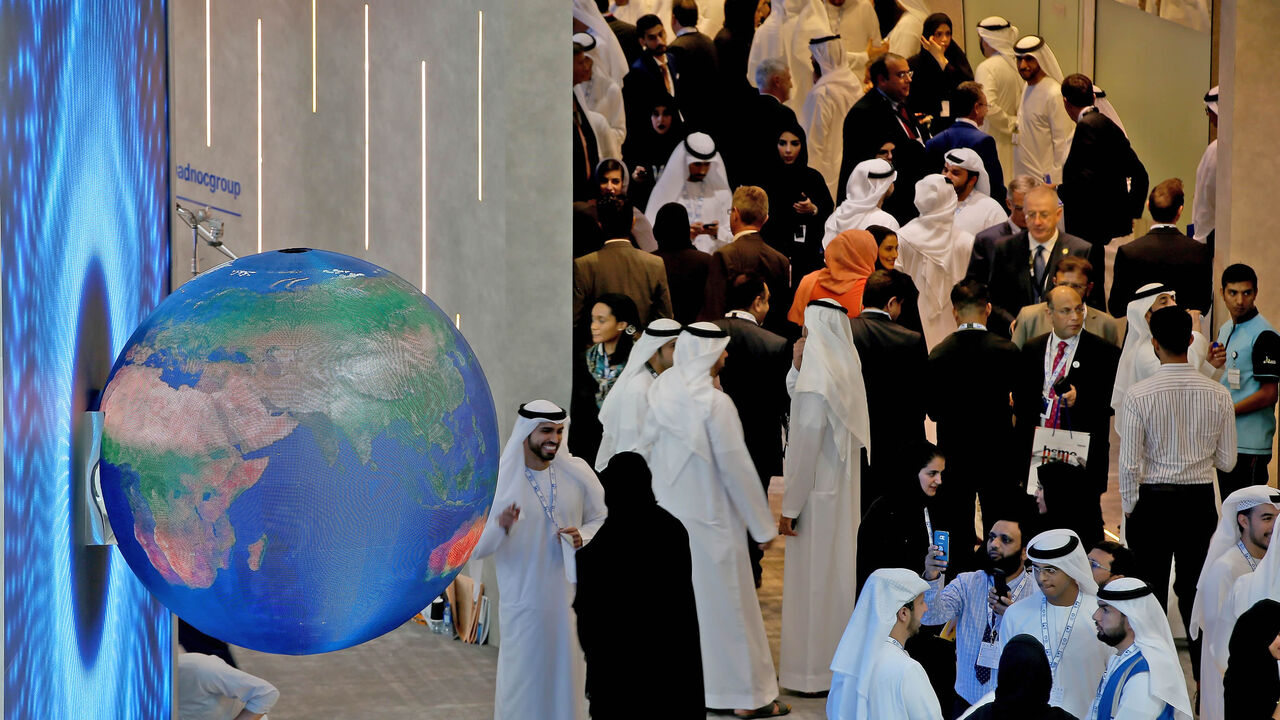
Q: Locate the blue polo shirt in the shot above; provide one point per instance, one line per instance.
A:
(1253, 348)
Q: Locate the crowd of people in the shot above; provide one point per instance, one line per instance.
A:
(812, 242)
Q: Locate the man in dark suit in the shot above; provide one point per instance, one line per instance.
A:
(1023, 265)
(695, 53)
(1164, 255)
(1103, 181)
(969, 107)
(967, 385)
(654, 73)
(1088, 365)
(881, 117)
(769, 116)
(893, 363)
(754, 377)
(984, 243)
(749, 253)
(619, 267)
(624, 31)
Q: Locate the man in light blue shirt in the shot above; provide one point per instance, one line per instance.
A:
(972, 599)
(1248, 354)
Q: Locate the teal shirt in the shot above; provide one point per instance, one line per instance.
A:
(1253, 348)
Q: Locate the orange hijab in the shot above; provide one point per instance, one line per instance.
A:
(850, 259)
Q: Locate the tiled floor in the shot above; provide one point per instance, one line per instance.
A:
(410, 673)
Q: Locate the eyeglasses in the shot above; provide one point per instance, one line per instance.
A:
(904, 74)
(1098, 566)
(1039, 214)
(1045, 570)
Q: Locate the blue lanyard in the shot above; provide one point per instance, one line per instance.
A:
(548, 509)
(1253, 564)
(1066, 632)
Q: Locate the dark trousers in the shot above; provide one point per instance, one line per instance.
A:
(1098, 258)
(1173, 524)
(1249, 470)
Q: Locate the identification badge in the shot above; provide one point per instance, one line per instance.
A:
(946, 108)
(1233, 378)
(1055, 695)
(800, 234)
(989, 656)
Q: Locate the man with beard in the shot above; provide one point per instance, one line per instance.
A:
(1067, 598)
(1144, 679)
(1238, 545)
(972, 599)
(541, 672)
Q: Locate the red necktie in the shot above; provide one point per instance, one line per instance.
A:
(1057, 399)
(906, 122)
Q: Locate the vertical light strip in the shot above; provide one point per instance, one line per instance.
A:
(259, 213)
(480, 110)
(424, 177)
(366, 126)
(313, 55)
(208, 74)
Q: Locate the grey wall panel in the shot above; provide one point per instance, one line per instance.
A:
(502, 263)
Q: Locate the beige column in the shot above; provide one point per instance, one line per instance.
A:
(1248, 211)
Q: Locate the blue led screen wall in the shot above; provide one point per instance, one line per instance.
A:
(84, 248)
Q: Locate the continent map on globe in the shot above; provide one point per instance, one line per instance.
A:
(299, 451)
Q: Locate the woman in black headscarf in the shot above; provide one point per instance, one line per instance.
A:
(1252, 682)
(1023, 685)
(650, 140)
(799, 203)
(937, 71)
(896, 529)
(632, 638)
(687, 266)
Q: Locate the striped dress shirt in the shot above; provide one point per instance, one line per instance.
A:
(1175, 427)
(965, 598)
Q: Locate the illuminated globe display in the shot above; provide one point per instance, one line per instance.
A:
(299, 451)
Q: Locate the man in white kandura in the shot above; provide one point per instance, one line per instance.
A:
(829, 100)
(1043, 136)
(869, 184)
(820, 510)
(976, 210)
(1059, 618)
(623, 411)
(1144, 678)
(999, 78)
(695, 177)
(703, 474)
(1261, 584)
(872, 677)
(935, 253)
(1239, 543)
(541, 671)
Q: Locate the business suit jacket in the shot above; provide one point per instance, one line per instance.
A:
(1104, 184)
(754, 377)
(871, 122)
(627, 36)
(970, 375)
(620, 268)
(893, 365)
(1092, 373)
(1012, 284)
(1033, 321)
(1163, 255)
(697, 85)
(751, 254)
(984, 250)
(961, 134)
(643, 84)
